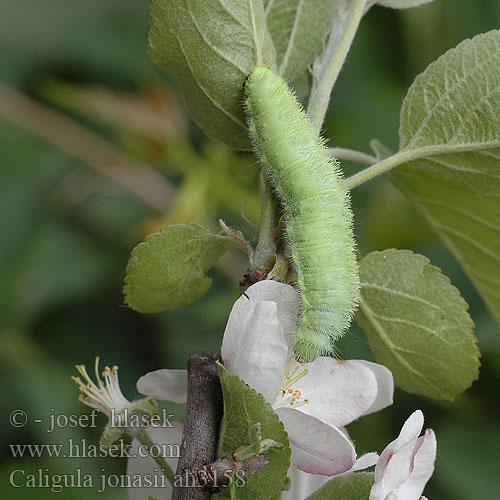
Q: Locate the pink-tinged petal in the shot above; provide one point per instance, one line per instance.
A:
(365, 461)
(385, 385)
(409, 433)
(143, 468)
(422, 467)
(395, 473)
(288, 305)
(302, 484)
(338, 391)
(400, 459)
(165, 385)
(262, 352)
(316, 447)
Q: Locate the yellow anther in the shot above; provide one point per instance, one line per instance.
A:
(292, 374)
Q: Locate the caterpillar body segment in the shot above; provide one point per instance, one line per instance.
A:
(319, 227)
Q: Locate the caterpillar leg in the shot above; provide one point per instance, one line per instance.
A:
(311, 344)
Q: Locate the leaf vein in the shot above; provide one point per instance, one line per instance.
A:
(468, 239)
(212, 100)
(393, 348)
(461, 211)
(413, 324)
(464, 79)
(403, 294)
(292, 36)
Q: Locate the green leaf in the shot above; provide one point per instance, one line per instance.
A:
(210, 48)
(299, 29)
(417, 324)
(244, 407)
(168, 269)
(354, 486)
(453, 108)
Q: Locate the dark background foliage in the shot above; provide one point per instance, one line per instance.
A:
(67, 230)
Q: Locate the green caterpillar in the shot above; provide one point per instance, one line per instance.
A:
(319, 224)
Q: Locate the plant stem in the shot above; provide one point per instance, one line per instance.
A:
(352, 155)
(381, 167)
(145, 440)
(328, 68)
(203, 416)
(266, 247)
(406, 156)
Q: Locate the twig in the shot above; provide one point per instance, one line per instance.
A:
(203, 416)
(352, 155)
(266, 246)
(407, 155)
(74, 139)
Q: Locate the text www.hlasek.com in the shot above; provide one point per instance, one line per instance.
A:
(82, 449)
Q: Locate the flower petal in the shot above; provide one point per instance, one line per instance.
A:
(338, 391)
(385, 385)
(302, 484)
(409, 433)
(165, 385)
(141, 467)
(365, 461)
(317, 448)
(395, 463)
(262, 352)
(288, 305)
(395, 473)
(423, 467)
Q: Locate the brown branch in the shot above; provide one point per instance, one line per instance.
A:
(76, 140)
(203, 416)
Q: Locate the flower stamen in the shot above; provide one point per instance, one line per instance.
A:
(106, 395)
(288, 396)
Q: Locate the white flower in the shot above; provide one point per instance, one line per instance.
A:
(148, 470)
(313, 400)
(143, 471)
(163, 385)
(105, 396)
(406, 464)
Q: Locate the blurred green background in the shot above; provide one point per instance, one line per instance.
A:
(132, 162)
